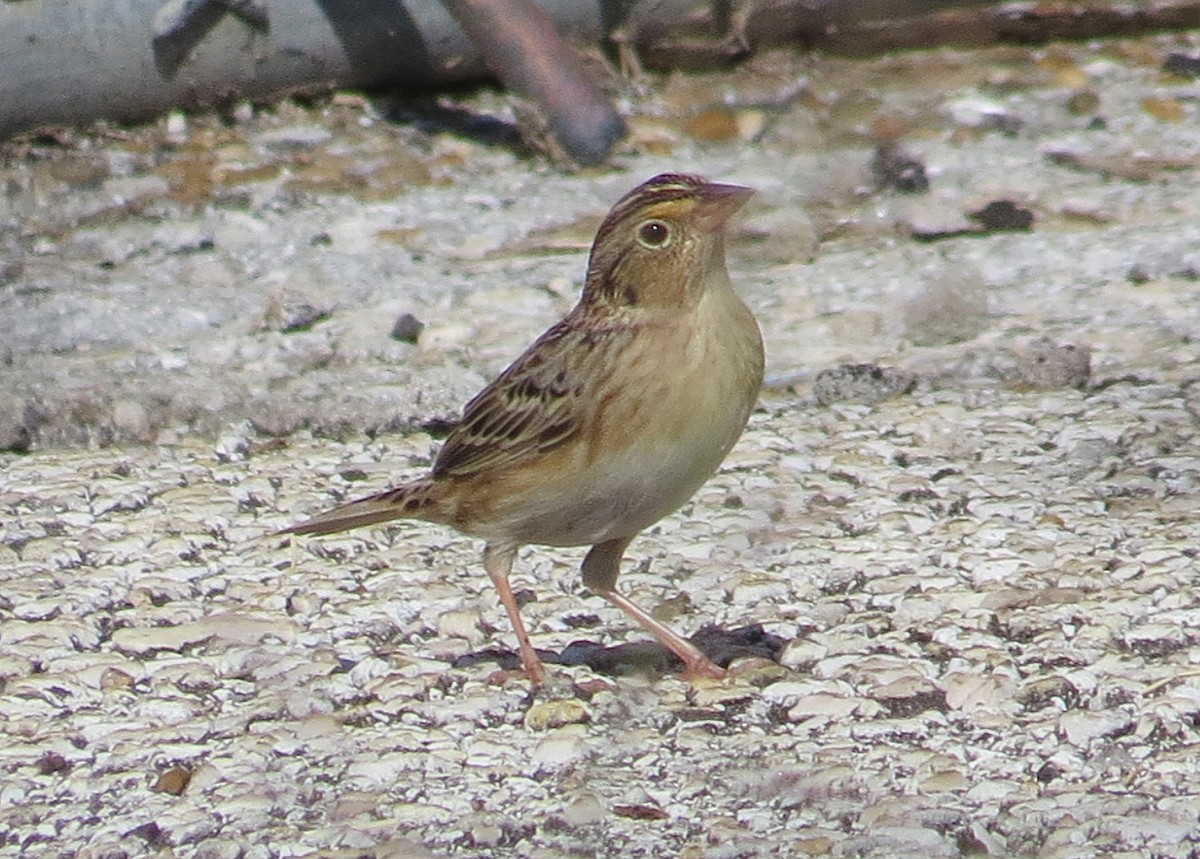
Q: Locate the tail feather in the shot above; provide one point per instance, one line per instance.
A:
(404, 502)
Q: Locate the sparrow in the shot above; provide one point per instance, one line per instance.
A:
(612, 419)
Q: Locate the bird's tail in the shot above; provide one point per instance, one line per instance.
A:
(411, 500)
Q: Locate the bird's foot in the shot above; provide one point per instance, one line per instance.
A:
(702, 668)
(503, 676)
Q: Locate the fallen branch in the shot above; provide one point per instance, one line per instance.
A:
(129, 60)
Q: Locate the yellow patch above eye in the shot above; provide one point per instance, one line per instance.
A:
(669, 209)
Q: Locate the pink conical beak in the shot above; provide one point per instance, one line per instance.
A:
(718, 203)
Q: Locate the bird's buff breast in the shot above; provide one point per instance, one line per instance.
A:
(668, 413)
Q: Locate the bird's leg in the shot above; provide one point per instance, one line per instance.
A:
(600, 569)
(498, 561)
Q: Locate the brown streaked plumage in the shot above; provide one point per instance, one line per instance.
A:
(613, 418)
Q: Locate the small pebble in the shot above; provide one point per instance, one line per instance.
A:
(861, 383)
(1003, 216)
(546, 715)
(407, 328)
(895, 169)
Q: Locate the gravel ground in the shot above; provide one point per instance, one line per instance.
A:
(967, 501)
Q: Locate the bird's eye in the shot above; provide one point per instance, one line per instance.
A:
(654, 234)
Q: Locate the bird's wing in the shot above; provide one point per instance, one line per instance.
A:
(535, 405)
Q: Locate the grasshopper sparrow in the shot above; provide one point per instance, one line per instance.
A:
(613, 418)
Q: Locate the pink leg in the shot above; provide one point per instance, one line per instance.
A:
(695, 663)
(498, 561)
(600, 569)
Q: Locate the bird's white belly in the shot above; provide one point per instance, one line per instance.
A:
(674, 436)
(622, 495)
(622, 501)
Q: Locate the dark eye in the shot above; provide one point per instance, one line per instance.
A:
(654, 234)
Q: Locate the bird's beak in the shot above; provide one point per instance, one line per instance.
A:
(718, 203)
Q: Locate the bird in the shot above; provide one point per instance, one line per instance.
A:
(612, 418)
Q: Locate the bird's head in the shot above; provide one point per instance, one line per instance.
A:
(662, 242)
